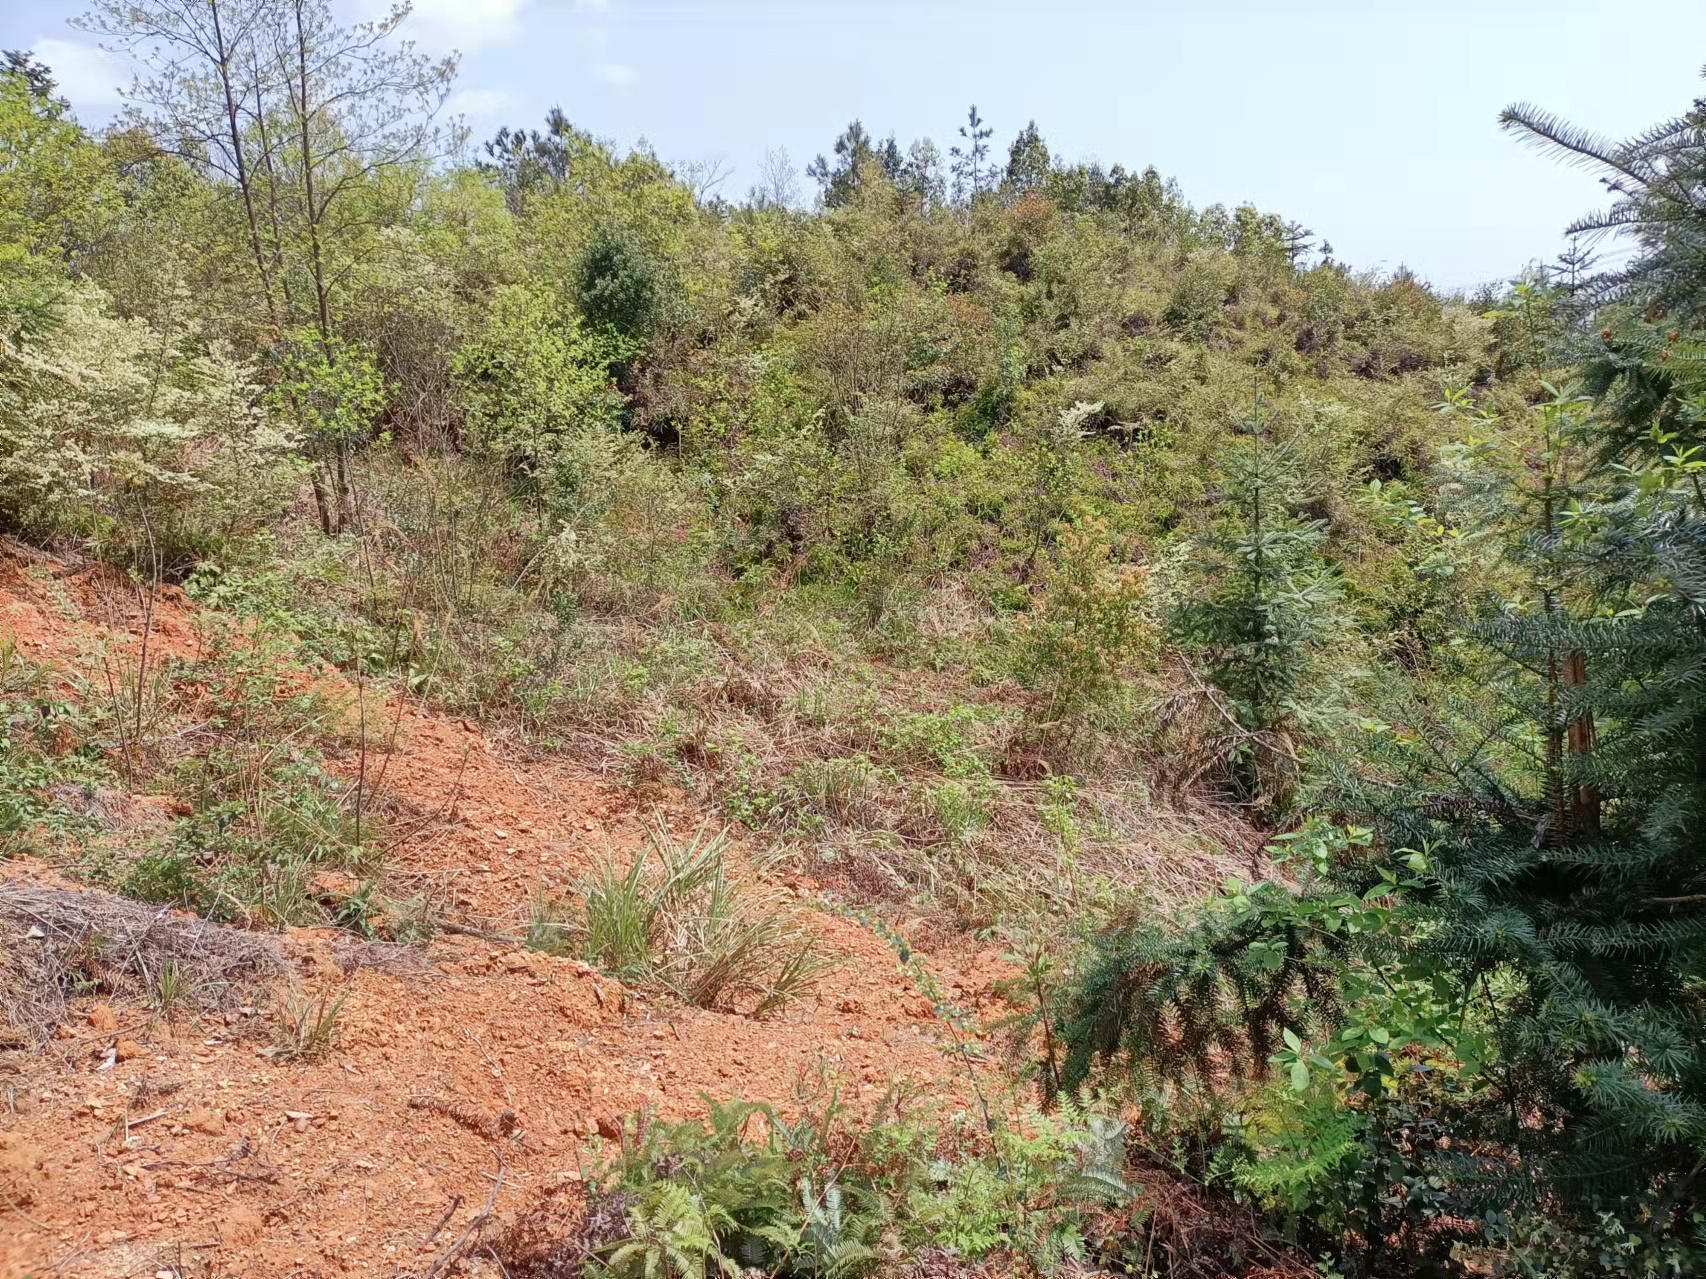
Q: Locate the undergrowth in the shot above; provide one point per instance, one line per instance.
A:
(830, 1194)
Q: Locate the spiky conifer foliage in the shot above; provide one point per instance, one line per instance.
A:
(1262, 613)
(1170, 1003)
(1658, 183)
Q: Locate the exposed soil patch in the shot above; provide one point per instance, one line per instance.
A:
(134, 1144)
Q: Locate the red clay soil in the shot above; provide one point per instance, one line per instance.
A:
(196, 1152)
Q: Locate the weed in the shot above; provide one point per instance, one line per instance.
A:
(49, 768)
(171, 877)
(943, 740)
(692, 926)
(841, 789)
(360, 910)
(621, 918)
(170, 985)
(748, 1190)
(308, 1025)
(550, 925)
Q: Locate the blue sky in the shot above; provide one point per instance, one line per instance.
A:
(1372, 123)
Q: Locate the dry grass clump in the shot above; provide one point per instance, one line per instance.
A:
(62, 942)
(678, 916)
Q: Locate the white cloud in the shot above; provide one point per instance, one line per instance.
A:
(617, 74)
(86, 76)
(464, 24)
(591, 6)
(480, 104)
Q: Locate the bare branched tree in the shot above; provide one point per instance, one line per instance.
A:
(703, 177)
(778, 185)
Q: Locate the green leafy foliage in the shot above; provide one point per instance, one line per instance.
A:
(532, 381)
(823, 1195)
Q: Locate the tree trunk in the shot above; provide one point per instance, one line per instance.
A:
(311, 210)
(243, 183)
(1579, 741)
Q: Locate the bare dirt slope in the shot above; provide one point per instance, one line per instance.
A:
(468, 1073)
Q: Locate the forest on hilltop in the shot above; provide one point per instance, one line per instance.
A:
(1298, 673)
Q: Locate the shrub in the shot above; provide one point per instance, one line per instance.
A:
(1078, 643)
(144, 445)
(532, 379)
(618, 285)
(334, 393)
(267, 815)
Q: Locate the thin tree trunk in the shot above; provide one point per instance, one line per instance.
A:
(1579, 740)
(312, 211)
(275, 224)
(322, 501)
(335, 506)
(243, 183)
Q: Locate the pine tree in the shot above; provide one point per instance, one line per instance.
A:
(971, 176)
(854, 149)
(1565, 820)
(1264, 611)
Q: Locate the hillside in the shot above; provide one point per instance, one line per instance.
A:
(982, 719)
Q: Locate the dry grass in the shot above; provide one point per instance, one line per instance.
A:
(61, 942)
(812, 749)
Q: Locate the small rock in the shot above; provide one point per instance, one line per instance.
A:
(102, 1017)
(126, 1049)
(210, 1122)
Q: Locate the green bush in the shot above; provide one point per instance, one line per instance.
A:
(532, 380)
(823, 1195)
(618, 285)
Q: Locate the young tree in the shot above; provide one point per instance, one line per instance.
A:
(528, 161)
(306, 118)
(838, 181)
(778, 185)
(292, 109)
(921, 175)
(971, 174)
(201, 91)
(1263, 613)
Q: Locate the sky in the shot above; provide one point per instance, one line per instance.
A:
(1372, 123)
